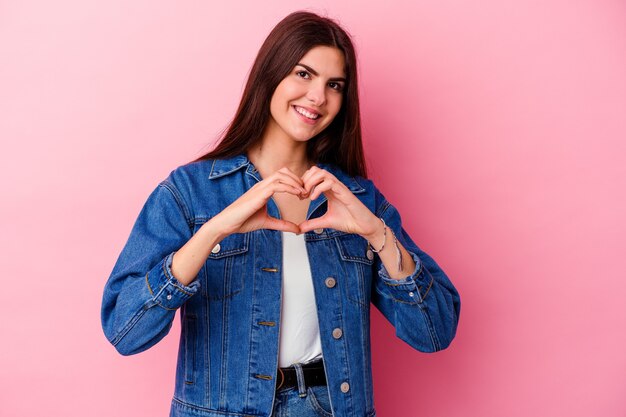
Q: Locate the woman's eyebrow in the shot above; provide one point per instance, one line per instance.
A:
(312, 71)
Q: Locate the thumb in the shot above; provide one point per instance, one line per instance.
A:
(308, 225)
(282, 225)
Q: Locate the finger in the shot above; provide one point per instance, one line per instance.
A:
(317, 223)
(282, 225)
(317, 176)
(290, 173)
(287, 179)
(269, 187)
(280, 187)
(330, 184)
(315, 171)
(307, 174)
(314, 179)
(326, 185)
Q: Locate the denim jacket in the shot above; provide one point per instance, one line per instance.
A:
(230, 314)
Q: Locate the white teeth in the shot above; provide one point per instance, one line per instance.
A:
(306, 113)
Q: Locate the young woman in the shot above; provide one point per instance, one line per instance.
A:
(273, 245)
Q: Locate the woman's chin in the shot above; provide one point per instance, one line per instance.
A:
(302, 137)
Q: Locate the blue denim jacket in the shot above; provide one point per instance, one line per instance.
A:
(228, 355)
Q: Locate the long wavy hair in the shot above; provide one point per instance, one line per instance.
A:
(340, 143)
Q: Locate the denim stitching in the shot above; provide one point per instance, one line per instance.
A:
(190, 349)
(207, 349)
(431, 330)
(432, 280)
(150, 288)
(131, 323)
(300, 380)
(383, 208)
(315, 403)
(172, 280)
(225, 347)
(179, 201)
(345, 256)
(181, 404)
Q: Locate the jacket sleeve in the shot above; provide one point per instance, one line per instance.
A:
(424, 307)
(141, 295)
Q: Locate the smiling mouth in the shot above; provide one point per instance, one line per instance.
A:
(306, 113)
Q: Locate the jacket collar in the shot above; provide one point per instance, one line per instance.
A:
(227, 166)
(223, 167)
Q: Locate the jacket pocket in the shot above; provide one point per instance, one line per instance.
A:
(224, 270)
(189, 336)
(353, 252)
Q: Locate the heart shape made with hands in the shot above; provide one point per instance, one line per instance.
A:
(345, 211)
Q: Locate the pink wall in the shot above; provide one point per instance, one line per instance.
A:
(510, 115)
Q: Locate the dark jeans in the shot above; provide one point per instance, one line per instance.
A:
(302, 401)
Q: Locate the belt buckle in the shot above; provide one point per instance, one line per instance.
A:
(282, 378)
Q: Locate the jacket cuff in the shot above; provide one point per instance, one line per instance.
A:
(165, 289)
(411, 289)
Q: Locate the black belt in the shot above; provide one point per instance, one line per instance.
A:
(313, 375)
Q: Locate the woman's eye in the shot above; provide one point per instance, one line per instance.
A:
(302, 74)
(336, 86)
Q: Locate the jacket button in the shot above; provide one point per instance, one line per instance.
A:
(169, 296)
(216, 248)
(370, 254)
(318, 231)
(330, 282)
(337, 333)
(345, 387)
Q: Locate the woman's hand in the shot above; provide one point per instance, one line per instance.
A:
(249, 212)
(345, 212)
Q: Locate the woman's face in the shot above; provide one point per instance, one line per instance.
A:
(307, 100)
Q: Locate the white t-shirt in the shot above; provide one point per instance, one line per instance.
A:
(299, 328)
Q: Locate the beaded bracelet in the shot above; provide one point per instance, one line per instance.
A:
(395, 241)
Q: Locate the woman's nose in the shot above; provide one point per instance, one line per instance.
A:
(317, 94)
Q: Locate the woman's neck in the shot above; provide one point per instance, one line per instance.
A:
(268, 158)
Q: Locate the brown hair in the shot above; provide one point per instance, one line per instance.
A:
(340, 143)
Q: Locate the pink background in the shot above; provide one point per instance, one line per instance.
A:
(509, 116)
